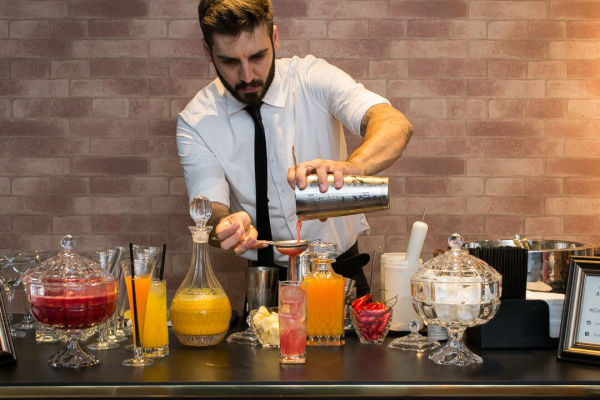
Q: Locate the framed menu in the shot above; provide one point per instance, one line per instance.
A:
(580, 324)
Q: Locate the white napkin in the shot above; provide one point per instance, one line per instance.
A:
(555, 305)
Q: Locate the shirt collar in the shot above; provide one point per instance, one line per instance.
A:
(274, 96)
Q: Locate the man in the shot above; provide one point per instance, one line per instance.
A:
(299, 103)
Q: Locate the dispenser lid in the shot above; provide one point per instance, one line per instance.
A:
(67, 268)
(457, 263)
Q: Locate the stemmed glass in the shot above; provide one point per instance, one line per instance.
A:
(10, 278)
(414, 340)
(22, 262)
(117, 331)
(106, 259)
(138, 278)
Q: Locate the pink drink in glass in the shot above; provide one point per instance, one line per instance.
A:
(292, 322)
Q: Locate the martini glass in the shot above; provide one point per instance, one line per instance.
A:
(22, 262)
(10, 278)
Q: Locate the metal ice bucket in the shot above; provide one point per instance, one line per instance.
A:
(359, 194)
(547, 260)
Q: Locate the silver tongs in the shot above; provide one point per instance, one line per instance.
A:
(521, 242)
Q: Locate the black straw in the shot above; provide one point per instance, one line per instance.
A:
(161, 270)
(135, 313)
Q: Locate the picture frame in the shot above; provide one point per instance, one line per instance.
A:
(580, 325)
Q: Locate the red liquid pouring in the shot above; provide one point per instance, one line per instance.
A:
(292, 252)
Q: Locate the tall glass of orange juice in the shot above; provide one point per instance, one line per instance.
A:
(155, 335)
(325, 300)
(142, 288)
(139, 284)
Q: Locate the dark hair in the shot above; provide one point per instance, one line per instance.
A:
(231, 17)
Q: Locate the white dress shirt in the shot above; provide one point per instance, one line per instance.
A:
(305, 107)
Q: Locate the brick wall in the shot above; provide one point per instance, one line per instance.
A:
(504, 97)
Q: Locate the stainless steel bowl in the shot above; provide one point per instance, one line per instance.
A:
(547, 261)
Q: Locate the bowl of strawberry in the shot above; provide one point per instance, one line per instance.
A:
(371, 319)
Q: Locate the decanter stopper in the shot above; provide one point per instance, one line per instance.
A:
(200, 210)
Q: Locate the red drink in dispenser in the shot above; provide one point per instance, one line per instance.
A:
(75, 312)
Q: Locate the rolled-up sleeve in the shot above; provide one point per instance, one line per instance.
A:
(203, 173)
(341, 95)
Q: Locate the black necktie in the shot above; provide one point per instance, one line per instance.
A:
(263, 223)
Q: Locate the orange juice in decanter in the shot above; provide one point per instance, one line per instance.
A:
(325, 300)
(200, 311)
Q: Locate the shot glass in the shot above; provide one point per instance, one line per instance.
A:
(292, 322)
(155, 337)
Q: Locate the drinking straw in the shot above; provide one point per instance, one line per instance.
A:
(161, 269)
(135, 313)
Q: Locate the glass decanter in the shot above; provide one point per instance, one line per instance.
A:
(72, 293)
(200, 311)
(324, 300)
(457, 291)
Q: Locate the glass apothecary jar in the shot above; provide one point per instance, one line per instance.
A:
(71, 292)
(457, 291)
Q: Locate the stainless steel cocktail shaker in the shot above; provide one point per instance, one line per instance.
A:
(359, 194)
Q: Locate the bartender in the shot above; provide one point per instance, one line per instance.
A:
(235, 137)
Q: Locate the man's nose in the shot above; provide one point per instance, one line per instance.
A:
(245, 72)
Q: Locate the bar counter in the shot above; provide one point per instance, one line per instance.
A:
(355, 370)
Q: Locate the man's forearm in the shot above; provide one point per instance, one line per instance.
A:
(386, 133)
(219, 211)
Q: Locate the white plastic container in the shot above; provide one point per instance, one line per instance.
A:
(395, 281)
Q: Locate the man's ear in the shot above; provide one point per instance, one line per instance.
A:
(275, 38)
(207, 51)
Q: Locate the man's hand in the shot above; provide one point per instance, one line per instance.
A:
(236, 232)
(297, 175)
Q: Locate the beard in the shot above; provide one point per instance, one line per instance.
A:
(254, 97)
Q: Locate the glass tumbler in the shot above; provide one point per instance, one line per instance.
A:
(292, 322)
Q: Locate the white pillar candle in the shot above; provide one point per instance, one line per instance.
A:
(415, 243)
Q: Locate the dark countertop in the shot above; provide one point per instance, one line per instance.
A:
(355, 370)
